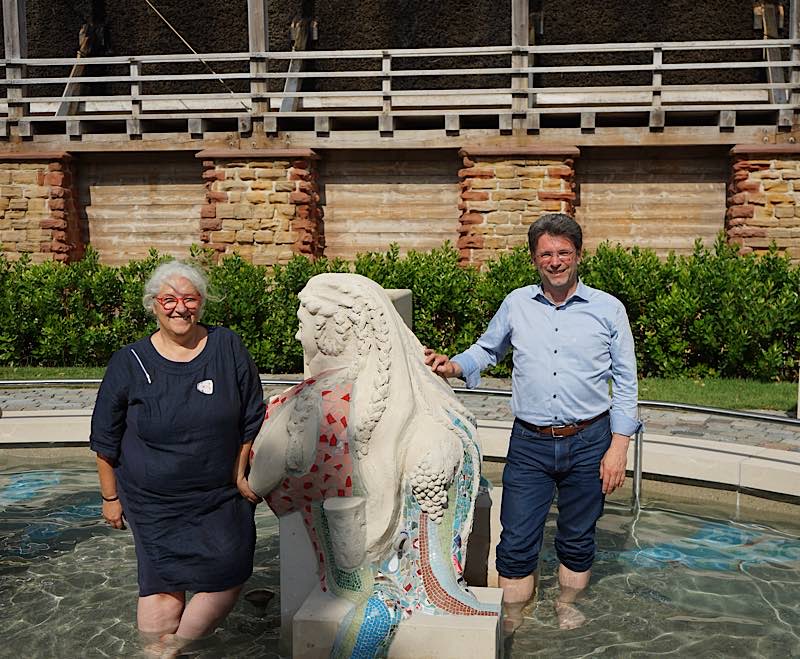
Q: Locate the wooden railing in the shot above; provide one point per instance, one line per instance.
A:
(385, 88)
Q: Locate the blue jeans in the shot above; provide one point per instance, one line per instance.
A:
(537, 465)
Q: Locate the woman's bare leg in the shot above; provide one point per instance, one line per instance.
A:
(160, 613)
(205, 611)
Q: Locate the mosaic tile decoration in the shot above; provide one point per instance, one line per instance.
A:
(425, 576)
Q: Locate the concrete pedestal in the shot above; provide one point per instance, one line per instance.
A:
(419, 637)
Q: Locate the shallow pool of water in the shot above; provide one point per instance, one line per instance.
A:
(664, 584)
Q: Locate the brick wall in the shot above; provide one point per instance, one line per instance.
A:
(38, 215)
(503, 191)
(262, 204)
(764, 200)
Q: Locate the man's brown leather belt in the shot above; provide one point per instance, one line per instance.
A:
(567, 430)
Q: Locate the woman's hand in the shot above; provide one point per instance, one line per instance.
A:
(112, 513)
(245, 491)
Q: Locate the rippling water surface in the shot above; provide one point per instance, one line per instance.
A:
(663, 584)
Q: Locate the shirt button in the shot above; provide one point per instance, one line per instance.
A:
(556, 329)
(554, 373)
(554, 395)
(555, 352)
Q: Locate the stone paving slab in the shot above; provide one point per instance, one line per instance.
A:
(701, 425)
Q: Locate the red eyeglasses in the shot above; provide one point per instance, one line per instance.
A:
(169, 302)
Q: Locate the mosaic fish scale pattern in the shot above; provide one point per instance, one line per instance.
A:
(437, 593)
(380, 622)
(463, 508)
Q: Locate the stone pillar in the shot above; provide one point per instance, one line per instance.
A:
(38, 215)
(504, 190)
(764, 201)
(262, 204)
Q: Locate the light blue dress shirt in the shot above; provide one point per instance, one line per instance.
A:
(564, 357)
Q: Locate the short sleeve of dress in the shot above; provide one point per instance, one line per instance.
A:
(111, 408)
(250, 391)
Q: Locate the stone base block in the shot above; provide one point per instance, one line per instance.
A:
(419, 637)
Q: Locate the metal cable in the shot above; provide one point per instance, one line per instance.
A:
(188, 45)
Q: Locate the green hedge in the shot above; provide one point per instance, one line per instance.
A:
(713, 313)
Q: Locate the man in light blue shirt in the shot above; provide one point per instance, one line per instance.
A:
(569, 435)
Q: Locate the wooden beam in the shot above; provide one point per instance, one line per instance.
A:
(775, 74)
(15, 29)
(133, 127)
(74, 128)
(322, 125)
(452, 124)
(386, 124)
(15, 39)
(657, 119)
(258, 40)
(197, 126)
(727, 120)
(258, 26)
(520, 17)
(794, 33)
(270, 124)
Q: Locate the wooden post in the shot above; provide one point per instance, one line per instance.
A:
(15, 38)
(258, 31)
(519, 37)
(386, 121)
(656, 113)
(794, 33)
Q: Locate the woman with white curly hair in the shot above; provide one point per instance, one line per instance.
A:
(172, 427)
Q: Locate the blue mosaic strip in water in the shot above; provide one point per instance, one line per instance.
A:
(376, 631)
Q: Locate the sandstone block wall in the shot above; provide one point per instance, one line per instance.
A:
(764, 201)
(263, 205)
(38, 215)
(503, 191)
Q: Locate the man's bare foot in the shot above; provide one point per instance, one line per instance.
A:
(167, 647)
(512, 618)
(568, 615)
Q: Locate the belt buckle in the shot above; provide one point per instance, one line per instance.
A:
(561, 427)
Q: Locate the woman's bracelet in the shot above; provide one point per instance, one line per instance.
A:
(109, 499)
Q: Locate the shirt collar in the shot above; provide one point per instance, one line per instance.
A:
(581, 293)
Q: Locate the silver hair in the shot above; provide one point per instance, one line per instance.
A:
(170, 271)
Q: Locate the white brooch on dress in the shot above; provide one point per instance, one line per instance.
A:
(206, 387)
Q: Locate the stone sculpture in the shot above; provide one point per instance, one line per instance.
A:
(381, 460)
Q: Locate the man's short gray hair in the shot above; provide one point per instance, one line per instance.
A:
(168, 272)
(555, 224)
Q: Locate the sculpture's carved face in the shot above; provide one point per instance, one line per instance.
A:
(326, 334)
(306, 334)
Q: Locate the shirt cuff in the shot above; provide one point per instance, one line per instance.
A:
(623, 424)
(107, 449)
(470, 371)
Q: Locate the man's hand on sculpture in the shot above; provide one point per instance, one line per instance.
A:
(612, 466)
(441, 364)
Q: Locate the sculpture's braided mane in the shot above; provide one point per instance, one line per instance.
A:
(370, 323)
(365, 323)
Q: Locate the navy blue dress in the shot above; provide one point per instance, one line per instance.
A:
(173, 430)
